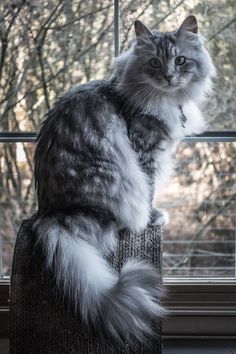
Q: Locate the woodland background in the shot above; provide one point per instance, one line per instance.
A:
(48, 46)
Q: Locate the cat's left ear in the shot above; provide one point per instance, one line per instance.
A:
(141, 30)
(189, 25)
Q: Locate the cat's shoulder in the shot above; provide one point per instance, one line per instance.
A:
(92, 90)
(76, 103)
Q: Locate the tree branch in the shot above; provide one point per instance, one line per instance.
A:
(222, 29)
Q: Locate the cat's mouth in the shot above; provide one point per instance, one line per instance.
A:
(169, 86)
(166, 86)
(173, 85)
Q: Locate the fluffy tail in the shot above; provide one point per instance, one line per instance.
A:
(118, 305)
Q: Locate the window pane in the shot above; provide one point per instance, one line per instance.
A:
(217, 22)
(201, 200)
(50, 46)
(200, 238)
(17, 197)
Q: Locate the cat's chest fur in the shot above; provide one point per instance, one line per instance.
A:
(155, 135)
(164, 125)
(182, 120)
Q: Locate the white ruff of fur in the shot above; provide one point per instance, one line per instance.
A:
(133, 203)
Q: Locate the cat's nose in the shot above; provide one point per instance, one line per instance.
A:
(168, 77)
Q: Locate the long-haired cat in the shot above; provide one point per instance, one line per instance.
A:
(103, 150)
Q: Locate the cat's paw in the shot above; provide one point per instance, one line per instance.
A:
(159, 217)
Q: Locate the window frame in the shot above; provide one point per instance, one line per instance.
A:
(201, 309)
(197, 308)
(4, 308)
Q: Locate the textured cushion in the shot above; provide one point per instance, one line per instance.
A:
(41, 324)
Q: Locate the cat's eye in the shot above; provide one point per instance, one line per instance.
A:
(155, 63)
(180, 60)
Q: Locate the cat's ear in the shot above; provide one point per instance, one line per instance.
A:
(189, 25)
(141, 30)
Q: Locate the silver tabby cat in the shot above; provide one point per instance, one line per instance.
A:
(104, 151)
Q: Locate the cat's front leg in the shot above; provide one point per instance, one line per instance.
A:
(159, 217)
(162, 175)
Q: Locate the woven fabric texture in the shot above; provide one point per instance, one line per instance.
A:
(41, 324)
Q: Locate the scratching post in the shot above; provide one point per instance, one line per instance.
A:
(40, 324)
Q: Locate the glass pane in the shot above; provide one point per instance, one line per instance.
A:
(217, 24)
(200, 238)
(51, 45)
(201, 200)
(17, 197)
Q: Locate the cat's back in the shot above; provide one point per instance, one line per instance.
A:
(84, 116)
(91, 90)
(85, 101)
(80, 104)
(81, 134)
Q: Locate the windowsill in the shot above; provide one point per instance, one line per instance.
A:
(201, 309)
(196, 310)
(199, 281)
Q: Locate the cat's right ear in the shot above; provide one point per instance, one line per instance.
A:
(189, 25)
(142, 31)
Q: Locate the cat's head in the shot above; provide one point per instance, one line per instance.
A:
(172, 64)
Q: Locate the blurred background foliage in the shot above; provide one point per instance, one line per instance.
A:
(48, 46)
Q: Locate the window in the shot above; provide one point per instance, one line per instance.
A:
(46, 47)
(201, 202)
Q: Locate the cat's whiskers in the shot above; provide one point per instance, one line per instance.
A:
(137, 103)
(187, 88)
(132, 83)
(145, 93)
(154, 93)
(147, 96)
